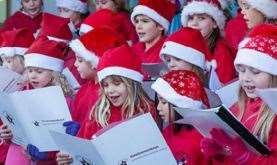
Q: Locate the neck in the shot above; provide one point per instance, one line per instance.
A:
(151, 43)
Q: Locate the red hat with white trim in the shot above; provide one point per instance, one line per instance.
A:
(259, 50)
(213, 8)
(267, 7)
(120, 61)
(75, 5)
(161, 11)
(182, 88)
(15, 42)
(93, 44)
(186, 44)
(60, 32)
(46, 54)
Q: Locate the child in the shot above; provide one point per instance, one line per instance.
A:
(118, 6)
(44, 65)
(151, 19)
(207, 16)
(76, 10)
(255, 61)
(88, 49)
(13, 46)
(29, 16)
(181, 89)
(122, 97)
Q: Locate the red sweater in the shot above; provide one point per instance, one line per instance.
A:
(185, 145)
(20, 20)
(3, 150)
(249, 120)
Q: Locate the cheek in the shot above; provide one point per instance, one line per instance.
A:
(263, 82)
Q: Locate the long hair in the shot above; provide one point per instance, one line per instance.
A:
(60, 80)
(266, 116)
(136, 102)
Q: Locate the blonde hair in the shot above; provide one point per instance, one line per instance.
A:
(60, 80)
(137, 102)
(266, 115)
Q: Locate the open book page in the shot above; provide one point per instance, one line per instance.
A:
(269, 96)
(9, 81)
(82, 150)
(38, 111)
(229, 94)
(214, 82)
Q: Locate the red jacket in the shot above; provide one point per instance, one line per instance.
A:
(249, 120)
(185, 144)
(3, 150)
(20, 20)
(152, 55)
(224, 61)
(85, 99)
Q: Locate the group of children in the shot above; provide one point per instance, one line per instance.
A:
(105, 50)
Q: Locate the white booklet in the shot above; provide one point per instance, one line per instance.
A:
(9, 81)
(269, 96)
(30, 114)
(137, 141)
(229, 94)
(214, 82)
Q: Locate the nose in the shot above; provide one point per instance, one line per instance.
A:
(246, 76)
(109, 89)
(76, 63)
(32, 2)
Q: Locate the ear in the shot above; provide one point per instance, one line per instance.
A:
(160, 27)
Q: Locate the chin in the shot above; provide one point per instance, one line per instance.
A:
(251, 95)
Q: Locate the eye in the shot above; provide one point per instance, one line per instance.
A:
(117, 83)
(245, 6)
(240, 68)
(255, 71)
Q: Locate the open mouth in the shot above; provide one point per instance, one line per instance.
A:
(249, 89)
(113, 98)
(141, 34)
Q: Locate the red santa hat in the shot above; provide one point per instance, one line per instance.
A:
(93, 44)
(182, 88)
(15, 42)
(259, 50)
(120, 61)
(267, 7)
(186, 44)
(75, 5)
(46, 54)
(60, 32)
(213, 8)
(161, 11)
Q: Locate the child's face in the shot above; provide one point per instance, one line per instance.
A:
(39, 77)
(67, 13)
(251, 15)
(202, 22)
(115, 90)
(14, 63)
(105, 4)
(147, 29)
(32, 7)
(174, 63)
(251, 78)
(85, 69)
(163, 109)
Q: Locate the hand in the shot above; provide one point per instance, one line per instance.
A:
(210, 148)
(33, 151)
(72, 127)
(64, 159)
(5, 133)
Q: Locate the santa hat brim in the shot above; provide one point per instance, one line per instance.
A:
(81, 51)
(144, 10)
(183, 52)
(12, 51)
(196, 7)
(267, 7)
(43, 61)
(169, 94)
(119, 71)
(257, 60)
(84, 28)
(75, 5)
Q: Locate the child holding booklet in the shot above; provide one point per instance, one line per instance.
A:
(255, 61)
(181, 89)
(44, 63)
(122, 96)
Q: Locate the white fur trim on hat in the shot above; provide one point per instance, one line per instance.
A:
(196, 7)
(84, 28)
(74, 5)
(12, 51)
(257, 60)
(267, 7)
(183, 52)
(120, 71)
(57, 39)
(81, 51)
(170, 95)
(43, 61)
(144, 10)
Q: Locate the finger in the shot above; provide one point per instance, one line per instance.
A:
(67, 123)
